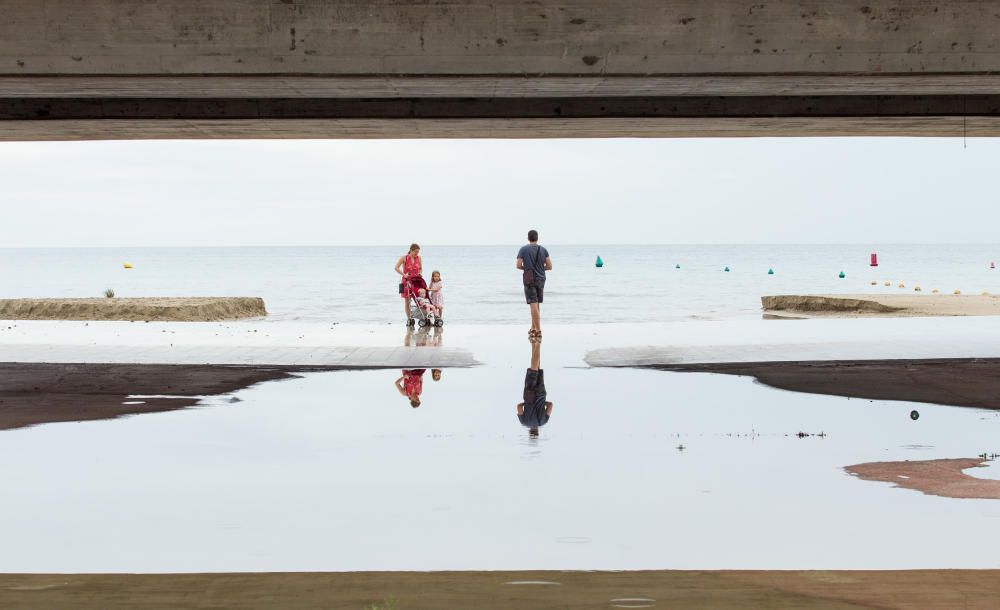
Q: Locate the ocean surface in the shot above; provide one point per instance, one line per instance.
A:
(636, 284)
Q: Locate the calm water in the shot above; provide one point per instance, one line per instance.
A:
(335, 471)
(637, 283)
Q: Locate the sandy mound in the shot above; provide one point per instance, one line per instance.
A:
(933, 477)
(154, 309)
(960, 382)
(887, 305)
(34, 393)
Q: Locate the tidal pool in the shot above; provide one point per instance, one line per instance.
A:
(634, 469)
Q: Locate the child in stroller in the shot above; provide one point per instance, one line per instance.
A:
(422, 311)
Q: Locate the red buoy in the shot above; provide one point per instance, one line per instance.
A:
(993, 265)
(874, 260)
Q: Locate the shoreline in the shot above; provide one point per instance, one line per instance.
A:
(958, 382)
(40, 393)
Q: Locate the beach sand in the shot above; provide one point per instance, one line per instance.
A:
(163, 309)
(549, 590)
(933, 477)
(963, 382)
(33, 394)
(879, 305)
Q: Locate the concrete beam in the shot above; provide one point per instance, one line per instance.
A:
(511, 68)
(297, 129)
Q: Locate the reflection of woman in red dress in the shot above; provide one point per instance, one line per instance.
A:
(411, 268)
(411, 384)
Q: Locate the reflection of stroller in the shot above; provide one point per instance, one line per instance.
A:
(417, 313)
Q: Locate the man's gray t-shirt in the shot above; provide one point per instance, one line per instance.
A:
(534, 257)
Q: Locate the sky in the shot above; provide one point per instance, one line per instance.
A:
(443, 192)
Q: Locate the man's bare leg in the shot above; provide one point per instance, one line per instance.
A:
(536, 318)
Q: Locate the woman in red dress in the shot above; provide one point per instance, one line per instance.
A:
(411, 268)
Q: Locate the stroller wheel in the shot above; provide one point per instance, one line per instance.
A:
(411, 322)
(439, 322)
(422, 323)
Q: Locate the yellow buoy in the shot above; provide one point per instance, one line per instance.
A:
(957, 292)
(901, 285)
(917, 289)
(128, 265)
(986, 293)
(935, 291)
(888, 283)
(874, 282)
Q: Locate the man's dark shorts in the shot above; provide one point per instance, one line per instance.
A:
(534, 293)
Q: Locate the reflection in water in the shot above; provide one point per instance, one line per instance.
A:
(424, 337)
(535, 411)
(411, 384)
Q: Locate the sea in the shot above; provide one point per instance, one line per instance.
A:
(637, 283)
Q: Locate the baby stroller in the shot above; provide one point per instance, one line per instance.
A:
(418, 315)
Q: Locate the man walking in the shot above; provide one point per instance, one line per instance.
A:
(534, 261)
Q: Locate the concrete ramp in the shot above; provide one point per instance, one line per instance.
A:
(304, 357)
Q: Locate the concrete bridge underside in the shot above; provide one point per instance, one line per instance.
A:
(511, 68)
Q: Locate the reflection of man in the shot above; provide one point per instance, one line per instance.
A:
(534, 412)
(411, 385)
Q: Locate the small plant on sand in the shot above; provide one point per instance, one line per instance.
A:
(109, 293)
(388, 603)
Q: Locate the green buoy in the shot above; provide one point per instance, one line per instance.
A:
(677, 266)
(842, 275)
(770, 271)
(726, 269)
(599, 262)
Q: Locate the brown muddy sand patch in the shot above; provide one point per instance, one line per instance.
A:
(147, 309)
(744, 590)
(962, 382)
(933, 477)
(33, 394)
(879, 305)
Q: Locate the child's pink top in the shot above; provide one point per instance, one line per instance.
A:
(437, 295)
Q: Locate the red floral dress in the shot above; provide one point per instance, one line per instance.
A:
(411, 271)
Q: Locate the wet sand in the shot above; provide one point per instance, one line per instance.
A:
(933, 589)
(879, 305)
(971, 382)
(33, 394)
(933, 477)
(160, 309)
